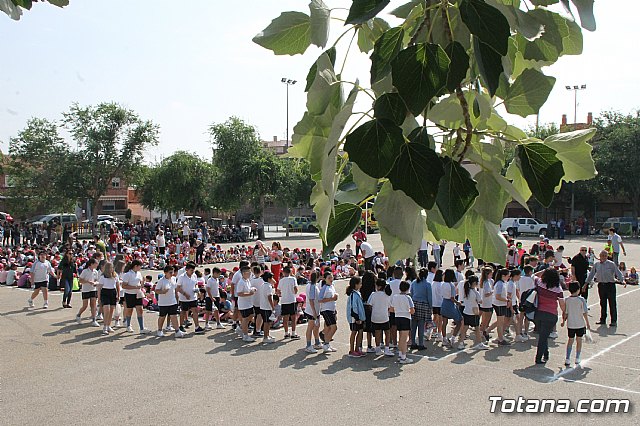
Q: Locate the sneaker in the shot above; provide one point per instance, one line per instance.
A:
(387, 352)
(520, 338)
(220, 326)
(378, 351)
(504, 343)
(481, 346)
(46, 305)
(578, 361)
(145, 331)
(354, 354)
(268, 339)
(317, 346)
(427, 334)
(613, 324)
(118, 324)
(105, 331)
(248, 339)
(310, 350)
(295, 337)
(208, 327)
(287, 335)
(30, 302)
(438, 338)
(329, 348)
(371, 350)
(95, 323)
(405, 361)
(238, 331)
(199, 330)
(392, 346)
(461, 345)
(129, 329)
(169, 329)
(99, 317)
(110, 330)
(567, 362)
(159, 333)
(553, 335)
(179, 334)
(78, 320)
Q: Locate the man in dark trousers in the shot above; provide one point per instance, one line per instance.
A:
(579, 269)
(605, 272)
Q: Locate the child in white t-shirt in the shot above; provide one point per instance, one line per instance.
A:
(575, 315)
(524, 284)
(402, 306)
(471, 313)
(380, 302)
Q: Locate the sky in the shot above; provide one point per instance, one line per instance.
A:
(187, 65)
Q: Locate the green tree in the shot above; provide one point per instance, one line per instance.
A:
(438, 75)
(616, 149)
(33, 167)
(13, 8)
(110, 141)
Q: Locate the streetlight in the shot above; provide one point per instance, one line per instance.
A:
(288, 82)
(575, 101)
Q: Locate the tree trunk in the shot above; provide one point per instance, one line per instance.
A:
(94, 216)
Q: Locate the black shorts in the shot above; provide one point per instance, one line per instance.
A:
(191, 304)
(508, 313)
(121, 301)
(89, 294)
(131, 300)
(403, 324)
(486, 310)
(266, 314)
(384, 326)
(168, 310)
(309, 317)
(471, 320)
(355, 327)
(41, 284)
(501, 311)
(436, 310)
(246, 313)
(208, 304)
(329, 317)
(392, 319)
(108, 296)
(579, 332)
(288, 309)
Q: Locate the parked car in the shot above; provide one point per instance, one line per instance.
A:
(526, 225)
(5, 217)
(62, 218)
(303, 223)
(622, 225)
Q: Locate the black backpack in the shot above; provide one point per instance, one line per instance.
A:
(529, 303)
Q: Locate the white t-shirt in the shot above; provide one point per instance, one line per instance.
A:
(168, 298)
(447, 290)
(188, 284)
(395, 286)
(213, 285)
(109, 283)
(266, 290)
(500, 288)
(367, 250)
(487, 293)
(40, 271)
(132, 278)
(511, 288)
(460, 286)
(327, 292)
(430, 277)
(576, 307)
(473, 300)
(312, 292)
(160, 241)
(89, 275)
(402, 303)
(436, 294)
(244, 286)
(380, 303)
(525, 283)
(237, 277)
(256, 282)
(287, 287)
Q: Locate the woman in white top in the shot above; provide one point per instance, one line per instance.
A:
(109, 290)
(88, 279)
(486, 307)
(133, 295)
(436, 299)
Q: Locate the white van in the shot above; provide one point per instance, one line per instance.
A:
(62, 218)
(526, 225)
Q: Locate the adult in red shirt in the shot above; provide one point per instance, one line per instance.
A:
(549, 297)
(359, 236)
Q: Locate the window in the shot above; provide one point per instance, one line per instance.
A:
(108, 205)
(9, 181)
(115, 182)
(532, 222)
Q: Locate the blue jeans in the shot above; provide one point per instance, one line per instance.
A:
(417, 326)
(68, 288)
(545, 323)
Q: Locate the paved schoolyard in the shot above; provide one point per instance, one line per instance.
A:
(54, 371)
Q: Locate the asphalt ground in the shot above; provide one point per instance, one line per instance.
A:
(57, 372)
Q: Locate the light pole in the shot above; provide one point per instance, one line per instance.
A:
(288, 82)
(575, 101)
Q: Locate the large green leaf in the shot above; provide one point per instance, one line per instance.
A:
(342, 223)
(585, 10)
(541, 169)
(486, 239)
(519, 20)
(489, 64)
(456, 192)
(319, 19)
(487, 24)
(363, 181)
(370, 32)
(313, 71)
(374, 146)
(322, 207)
(363, 10)
(441, 22)
(59, 3)
(386, 49)
(390, 106)
(25, 4)
(417, 171)
(324, 90)
(396, 212)
(575, 153)
(420, 135)
(420, 73)
(403, 11)
(447, 112)
(288, 34)
(8, 7)
(486, 155)
(528, 93)
(516, 193)
(459, 65)
(560, 37)
(492, 198)
(441, 231)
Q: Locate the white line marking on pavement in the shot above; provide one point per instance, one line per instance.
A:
(582, 382)
(618, 296)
